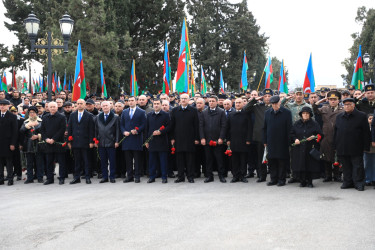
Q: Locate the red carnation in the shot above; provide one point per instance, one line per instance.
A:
(336, 164)
(136, 128)
(95, 141)
(162, 128)
(265, 162)
(173, 150)
(64, 144)
(32, 130)
(70, 138)
(319, 137)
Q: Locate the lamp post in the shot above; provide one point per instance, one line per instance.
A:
(49, 45)
(366, 60)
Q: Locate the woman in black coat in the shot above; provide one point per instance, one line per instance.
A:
(304, 166)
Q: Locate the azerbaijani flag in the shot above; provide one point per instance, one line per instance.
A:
(79, 87)
(166, 70)
(283, 88)
(40, 84)
(191, 81)
(245, 67)
(59, 84)
(269, 73)
(64, 87)
(102, 80)
(222, 87)
(133, 81)
(309, 83)
(182, 66)
(24, 83)
(4, 86)
(358, 78)
(203, 82)
(54, 87)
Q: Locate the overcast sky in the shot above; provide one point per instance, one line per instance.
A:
(295, 28)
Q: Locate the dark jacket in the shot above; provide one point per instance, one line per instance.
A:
(185, 128)
(16, 101)
(133, 142)
(258, 109)
(212, 126)
(30, 146)
(301, 160)
(83, 131)
(159, 143)
(8, 133)
(239, 131)
(352, 134)
(365, 106)
(107, 132)
(276, 133)
(53, 127)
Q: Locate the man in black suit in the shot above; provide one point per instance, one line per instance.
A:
(52, 130)
(81, 128)
(212, 128)
(8, 138)
(158, 147)
(185, 135)
(239, 135)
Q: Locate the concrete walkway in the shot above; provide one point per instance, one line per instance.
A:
(185, 216)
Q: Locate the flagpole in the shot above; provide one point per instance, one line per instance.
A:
(260, 80)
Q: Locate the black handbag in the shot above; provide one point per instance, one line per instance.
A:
(315, 154)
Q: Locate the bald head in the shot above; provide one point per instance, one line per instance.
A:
(52, 107)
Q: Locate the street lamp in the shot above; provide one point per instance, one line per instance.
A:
(49, 45)
(366, 61)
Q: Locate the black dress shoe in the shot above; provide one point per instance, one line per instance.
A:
(137, 180)
(128, 180)
(207, 180)
(10, 182)
(75, 181)
(179, 180)
(28, 181)
(47, 182)
(88, 181)
(19, 178)
(327, 179)
(261, 180)
(222, 180)
(191, 180)
(271, 183)
(361, 188)
(234, 180)
(100, 176)
(303, 184)
(62, 181)
(40, 181)
(249, 175)
(292, 180)
(113, 181)
(337, 179)
(103, 180)
(151, 180)
(1, 182)
(164, 181)
(244, 180)
(172, 176)
(280, 184)
(346, 186)
(310, 185)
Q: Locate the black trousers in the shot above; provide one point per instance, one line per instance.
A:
(353, 170)
(212, 154)
(120, 163)
(261, 168)
(185, 160)
(330, 169)
(133, 171)
(9, 165)
(60, 157)
(17, 162)
(239, 160)
(81, 156)
(200, 161)
(252, 158)
(278, 169)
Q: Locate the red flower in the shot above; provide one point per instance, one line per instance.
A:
(336, 164)
(265, 162)
(319, 137)
(212, 143)
(173, 150)
(136, 128)
(64, 144)
(70, 138)
(95, 141)
(228, 152)
(32, 130)
(162, 128)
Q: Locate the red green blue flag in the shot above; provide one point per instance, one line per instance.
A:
(245, 67)
(309, 83)
(79, 87)
(269, 73)
(133, 81)
(166, 71)
(358, 77)
(222, 87)
(203, 82)
(102, 80)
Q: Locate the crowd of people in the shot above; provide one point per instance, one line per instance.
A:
(296, 136)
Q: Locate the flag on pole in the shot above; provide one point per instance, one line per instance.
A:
(24, 85)
(166, 71)
(102, 80)
(182, 66)
(245, 67)
(282, 79)
(269, 73)
(203, 82)
(79, 87)
(3, 85)
(133, 81)
(222, 87)
(191, 80)
(40, 89)
(358, 77)
(309, 83)
(64, 87)
(59, 83)
(70, 84)
(37, 86)
(54, 87)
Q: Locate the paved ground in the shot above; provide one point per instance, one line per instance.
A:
(185, 216)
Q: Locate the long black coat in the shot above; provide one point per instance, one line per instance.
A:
(258, 109)
(239, 131)
(276, 133)
(83, 131)
(212, 126)
(301, 158)
(184, 128)
(352, 134)
(8, 133)
(159, 143)
(53, 127)
(30, 146)
(107, 132)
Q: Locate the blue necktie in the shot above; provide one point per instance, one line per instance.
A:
(79, 117)
(105, 117)
(131, 113)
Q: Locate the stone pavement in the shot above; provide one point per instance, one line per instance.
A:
(185, 216)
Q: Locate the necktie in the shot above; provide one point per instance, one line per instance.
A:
(2, 115)
(79, 117)
(226, 112)
(105, 117)
(131, 113)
